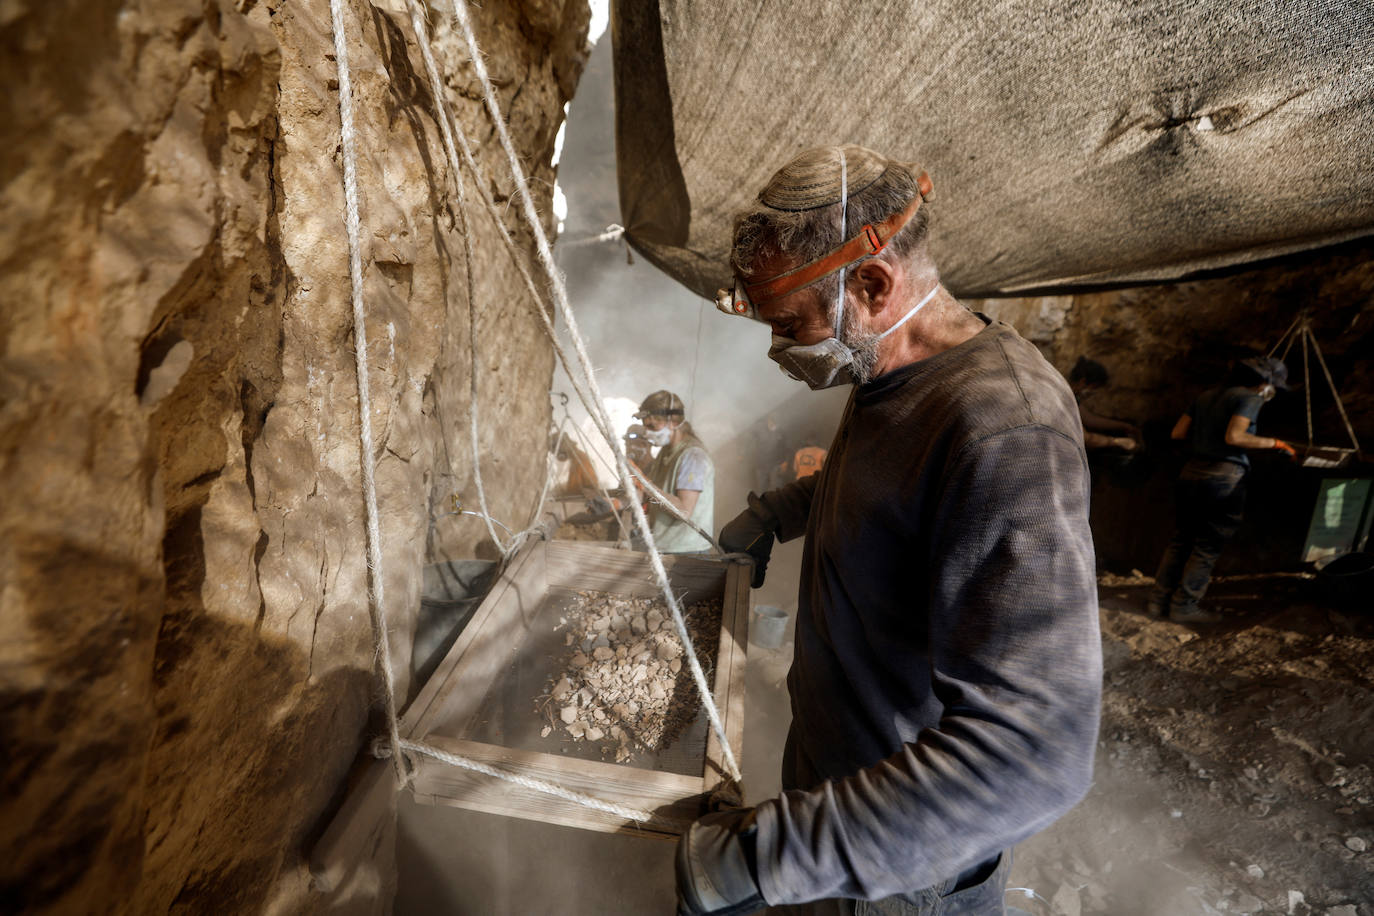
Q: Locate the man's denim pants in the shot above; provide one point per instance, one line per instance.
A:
(1209, 501)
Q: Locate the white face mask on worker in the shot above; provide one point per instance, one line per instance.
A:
(658, 437)
(826, 363)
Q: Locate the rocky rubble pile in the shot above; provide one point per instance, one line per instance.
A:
(623, 679)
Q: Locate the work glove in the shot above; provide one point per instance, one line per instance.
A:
(1287, 449)
(752, 532)
(716, 868)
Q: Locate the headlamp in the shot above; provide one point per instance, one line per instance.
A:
(736, 301)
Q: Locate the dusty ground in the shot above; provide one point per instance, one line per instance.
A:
(1234, 764)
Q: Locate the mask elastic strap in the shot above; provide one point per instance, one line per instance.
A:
(914, 309)
(844, 228)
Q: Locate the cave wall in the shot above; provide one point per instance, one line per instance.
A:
(1165, 344)
(186, 660)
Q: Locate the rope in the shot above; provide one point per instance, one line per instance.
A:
(450, 130)
(447, 127)
(614, 233)
(529, 782)
(377, 602)
(1302, 328)
(1307, 385)
(550, 462)
(597, 406)
(504, 527)
(661, 498)
(1291, 328)
(474, 402)
(436, 87)
(1340, 405)
(696, 357)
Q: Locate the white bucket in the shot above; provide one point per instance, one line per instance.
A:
(769, 626)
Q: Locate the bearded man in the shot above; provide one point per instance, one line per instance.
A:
(947, 670)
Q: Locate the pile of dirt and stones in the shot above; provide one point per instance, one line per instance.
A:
(623, 682)
(1234, 763)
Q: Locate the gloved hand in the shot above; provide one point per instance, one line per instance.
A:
(752, 532)
(716, 868)
(1282, 446)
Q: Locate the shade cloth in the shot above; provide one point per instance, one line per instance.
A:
(1071, 144)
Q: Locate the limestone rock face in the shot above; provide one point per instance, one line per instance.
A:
(186, 656)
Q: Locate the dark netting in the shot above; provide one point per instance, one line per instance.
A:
(1069, 143)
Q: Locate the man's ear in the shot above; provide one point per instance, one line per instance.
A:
(876, 279)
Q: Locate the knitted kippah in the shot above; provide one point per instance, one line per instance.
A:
(812, 179)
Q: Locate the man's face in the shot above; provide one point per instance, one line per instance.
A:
(799, 315)
(655, 422)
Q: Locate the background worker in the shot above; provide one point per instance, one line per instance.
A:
(637, 447)
(682, 471)
(640, 454)
(1209, 498)
(946, 677)
(808, 460)
(580, 479)
(1086, 377)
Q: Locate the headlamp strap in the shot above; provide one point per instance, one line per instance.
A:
(870, 240)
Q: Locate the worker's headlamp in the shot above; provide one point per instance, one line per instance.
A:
(736, 301)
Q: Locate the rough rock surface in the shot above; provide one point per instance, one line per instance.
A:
(185, 648)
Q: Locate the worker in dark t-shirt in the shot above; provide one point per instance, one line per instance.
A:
(1086, 377)
(946, 677)
(1219, 429)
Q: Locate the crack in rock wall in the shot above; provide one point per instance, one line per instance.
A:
(186, 657)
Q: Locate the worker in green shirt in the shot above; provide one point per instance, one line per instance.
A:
(682, 470)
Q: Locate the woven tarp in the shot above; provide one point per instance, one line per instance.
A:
(1070, 143)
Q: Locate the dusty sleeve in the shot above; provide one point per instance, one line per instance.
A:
(692, 470)
(792, 506)
(1016, 663)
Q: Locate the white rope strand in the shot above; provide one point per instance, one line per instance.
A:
(474, 402)
(666, 504)
(436, 88)
(529, 782)
(451, 130)
(597, 406)
(377, 604)
(1340, 405)
(1307, 385)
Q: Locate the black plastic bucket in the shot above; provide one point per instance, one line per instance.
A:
(1348, 580)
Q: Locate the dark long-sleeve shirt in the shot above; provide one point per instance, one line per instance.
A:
(947, 670)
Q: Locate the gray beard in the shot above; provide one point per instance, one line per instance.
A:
(863, 344)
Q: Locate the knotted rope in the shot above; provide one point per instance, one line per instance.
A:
(377, 599)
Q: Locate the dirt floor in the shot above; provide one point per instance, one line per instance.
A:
(1233, 769)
